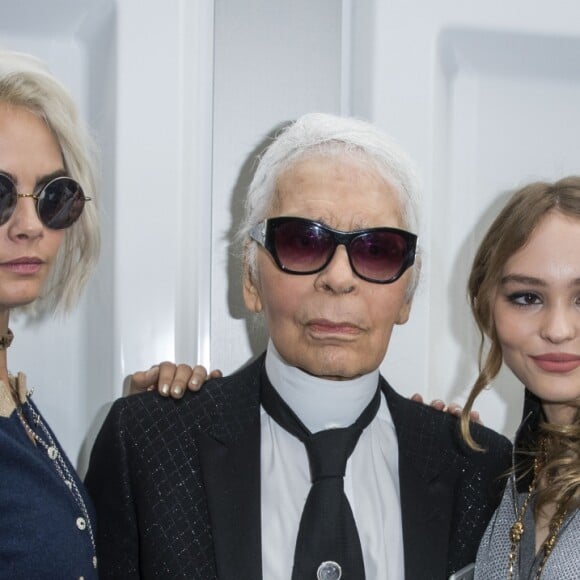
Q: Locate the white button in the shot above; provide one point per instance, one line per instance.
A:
(52, 452)
(94, 562)
(81, 523)
(329, 571)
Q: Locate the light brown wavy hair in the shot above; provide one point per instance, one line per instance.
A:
(509, 232)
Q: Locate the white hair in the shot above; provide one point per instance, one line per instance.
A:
(26, 83)
(317, 134)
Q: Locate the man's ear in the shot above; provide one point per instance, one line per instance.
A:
(404, 312)
(251, 292)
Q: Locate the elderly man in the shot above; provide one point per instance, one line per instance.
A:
(306, 464)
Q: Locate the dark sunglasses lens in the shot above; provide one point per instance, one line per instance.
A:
(379, 256)
(302, 247)
(61, 203)
(8, 199)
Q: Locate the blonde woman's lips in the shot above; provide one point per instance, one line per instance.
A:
(25, 265)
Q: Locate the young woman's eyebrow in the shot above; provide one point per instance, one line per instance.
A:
(530, 280)
(522, 279)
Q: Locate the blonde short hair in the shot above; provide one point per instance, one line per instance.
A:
(26, 83)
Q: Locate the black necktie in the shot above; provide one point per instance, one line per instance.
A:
(328, 546)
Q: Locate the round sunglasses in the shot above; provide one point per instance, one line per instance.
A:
(301, 246)
(59, 203)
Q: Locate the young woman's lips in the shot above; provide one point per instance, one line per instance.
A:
(558, 362)
(24, 266)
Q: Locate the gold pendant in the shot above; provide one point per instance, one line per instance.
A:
(516, 532)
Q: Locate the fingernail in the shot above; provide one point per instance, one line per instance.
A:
(165, 390)
(177, 390)
(194, 381)
(437, 402)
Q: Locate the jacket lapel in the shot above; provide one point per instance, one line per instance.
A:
(231, 474)
(426, 488)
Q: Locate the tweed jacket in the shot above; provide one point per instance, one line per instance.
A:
(176, 485)
(492, 557)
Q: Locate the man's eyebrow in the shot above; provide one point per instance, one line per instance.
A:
(355, 228)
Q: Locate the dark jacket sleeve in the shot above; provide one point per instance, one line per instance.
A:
(448, 491)
(108, 482)
(478, 493)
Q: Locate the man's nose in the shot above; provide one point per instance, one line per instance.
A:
(338, 275)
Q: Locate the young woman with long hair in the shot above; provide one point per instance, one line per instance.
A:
(524, 291)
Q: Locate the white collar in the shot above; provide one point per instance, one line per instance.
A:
(320, 403)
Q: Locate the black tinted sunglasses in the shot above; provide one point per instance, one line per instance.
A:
(302, 246)
(58, 204)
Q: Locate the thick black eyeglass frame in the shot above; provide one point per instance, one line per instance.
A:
(264, 233)
(38, 197)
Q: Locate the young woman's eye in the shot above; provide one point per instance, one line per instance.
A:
(524, 298)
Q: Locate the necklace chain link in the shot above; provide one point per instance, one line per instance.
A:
(517, 529)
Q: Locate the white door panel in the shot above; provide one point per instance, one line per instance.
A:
(179, 94)
(485, 98)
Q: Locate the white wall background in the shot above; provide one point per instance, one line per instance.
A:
(181, 94)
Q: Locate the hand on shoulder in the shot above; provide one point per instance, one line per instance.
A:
(453, 409)
(171, 379)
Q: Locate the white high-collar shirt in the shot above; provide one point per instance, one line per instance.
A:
(371, 481)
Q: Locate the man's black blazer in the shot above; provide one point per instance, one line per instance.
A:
(176, 485)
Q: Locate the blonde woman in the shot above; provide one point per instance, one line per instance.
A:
(49, 242)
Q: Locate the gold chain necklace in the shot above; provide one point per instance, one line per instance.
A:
(517, 530)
